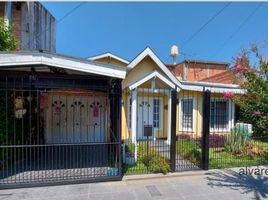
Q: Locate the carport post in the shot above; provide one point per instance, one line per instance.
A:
(173, 129)
(115, 112)
(205, 130)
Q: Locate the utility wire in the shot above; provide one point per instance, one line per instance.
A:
(204, 25)
(70, 12)
(239, 28)
(63, 17)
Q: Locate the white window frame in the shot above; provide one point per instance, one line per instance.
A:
(230, 115)
(181, 128)
(159, 111)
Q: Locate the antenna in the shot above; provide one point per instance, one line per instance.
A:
(174, 52)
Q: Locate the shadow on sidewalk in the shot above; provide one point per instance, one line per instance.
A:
(245, 183)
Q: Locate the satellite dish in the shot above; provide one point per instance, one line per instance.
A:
(174, 52)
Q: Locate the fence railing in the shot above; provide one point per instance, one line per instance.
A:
(234, 150)
(58, 162)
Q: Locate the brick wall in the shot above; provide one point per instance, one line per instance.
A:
(226, 77)
(199, 71)
(16, 21)
(2, 9)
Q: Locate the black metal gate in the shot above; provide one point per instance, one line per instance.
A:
(62, 131)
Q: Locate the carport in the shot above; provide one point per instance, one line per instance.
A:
(59, 119)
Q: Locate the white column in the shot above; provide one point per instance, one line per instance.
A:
(231, 114)
(134, 115)
(169, 120)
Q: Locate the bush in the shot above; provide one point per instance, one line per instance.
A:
(236, 141)
(215, 140)
(194, 156)
(130, 147)
(158, 164)
(152, 159)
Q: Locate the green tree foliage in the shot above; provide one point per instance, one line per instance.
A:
(7, 38)
(254, 79)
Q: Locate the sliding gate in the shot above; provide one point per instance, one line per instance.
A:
(51, 135)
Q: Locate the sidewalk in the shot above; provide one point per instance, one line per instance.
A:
(214, 184)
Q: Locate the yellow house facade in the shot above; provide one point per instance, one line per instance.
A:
(146, 101)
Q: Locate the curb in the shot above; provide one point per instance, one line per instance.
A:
(159, 175)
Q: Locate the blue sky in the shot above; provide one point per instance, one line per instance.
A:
(125, 29)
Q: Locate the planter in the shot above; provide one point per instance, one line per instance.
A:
(130, 158)
(112, 171)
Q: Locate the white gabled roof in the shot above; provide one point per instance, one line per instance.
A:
(22, 59)
(108, 55)
(150, 76)
(185, 85)
(149, 52)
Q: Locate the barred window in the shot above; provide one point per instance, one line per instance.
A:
(187, 114)
(219, 114)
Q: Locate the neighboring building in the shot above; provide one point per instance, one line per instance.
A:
(199, 70)
(34, 26)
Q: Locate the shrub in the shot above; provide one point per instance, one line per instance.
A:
(194, 156)
(130, 147)
(236, 141)
(158, 164)
(215, 140)
(152, 159)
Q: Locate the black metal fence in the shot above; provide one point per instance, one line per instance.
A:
(232, 143)
(206, 135)
(148, 150)
(57, 135)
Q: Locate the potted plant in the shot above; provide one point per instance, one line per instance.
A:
(130, 153)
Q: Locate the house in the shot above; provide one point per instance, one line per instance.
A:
(146, 98)
(63, 118)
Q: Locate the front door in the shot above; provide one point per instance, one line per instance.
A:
(149, 111)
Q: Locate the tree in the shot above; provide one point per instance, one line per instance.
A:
(7, 38)
(254, 79)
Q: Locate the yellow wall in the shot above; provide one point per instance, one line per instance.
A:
(145, 67)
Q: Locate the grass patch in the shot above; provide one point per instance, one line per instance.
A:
(137, 168)
(189, 150)
(256, 153)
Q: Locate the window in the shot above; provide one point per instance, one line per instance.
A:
(219, 114)
(156, 113)
(129, 112)
(187, 114)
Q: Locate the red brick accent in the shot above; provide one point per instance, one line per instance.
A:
(203, 71)
(226, 77)
(16, 21)
(2, 9)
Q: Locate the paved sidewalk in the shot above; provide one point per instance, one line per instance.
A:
(215, 184)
